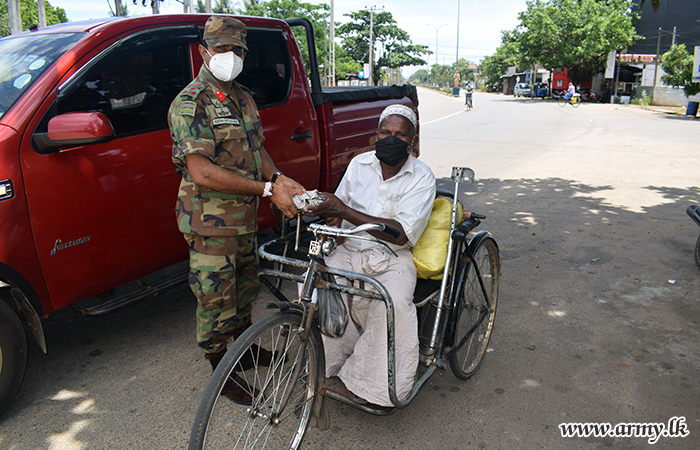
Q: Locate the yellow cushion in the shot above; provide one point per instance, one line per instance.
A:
(430, 251)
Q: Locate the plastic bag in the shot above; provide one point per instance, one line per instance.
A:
(331, 315)
(430, 251)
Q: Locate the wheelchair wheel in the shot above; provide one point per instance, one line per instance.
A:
(221, 423)
(472, 306)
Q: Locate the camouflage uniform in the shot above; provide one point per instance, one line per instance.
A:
(223, 124)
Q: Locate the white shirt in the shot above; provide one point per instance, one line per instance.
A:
(407, 197)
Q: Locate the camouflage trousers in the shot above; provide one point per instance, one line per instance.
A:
(224, 279)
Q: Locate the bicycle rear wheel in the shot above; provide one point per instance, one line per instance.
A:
(472, 307)
(562, 101)
(222, 424)
(576, 102)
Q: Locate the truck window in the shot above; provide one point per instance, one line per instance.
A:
(24, 58)
(267, 71)
(133, 89)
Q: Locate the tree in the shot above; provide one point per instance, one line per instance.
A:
(220, 7)
(30, 15)
(573, 34)
(119, 8)
(286, 9)
(395, 49)
(420, 76)
(678, 65)
(344, 64)
(253, 8)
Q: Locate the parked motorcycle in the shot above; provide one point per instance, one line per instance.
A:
(694, 213)
(587, 95)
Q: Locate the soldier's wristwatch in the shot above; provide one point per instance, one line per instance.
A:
(275, 176)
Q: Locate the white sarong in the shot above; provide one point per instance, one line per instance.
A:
(359, 357)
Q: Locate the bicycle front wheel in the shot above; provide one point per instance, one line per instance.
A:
(266, 423)
(562, 101)
(472, 308)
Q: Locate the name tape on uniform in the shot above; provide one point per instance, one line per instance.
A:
(225, 122)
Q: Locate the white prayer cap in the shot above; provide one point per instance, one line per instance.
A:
(401, 110)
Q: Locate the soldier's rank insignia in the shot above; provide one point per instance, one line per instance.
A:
(188, 108)
(215, 101)
(220, 95)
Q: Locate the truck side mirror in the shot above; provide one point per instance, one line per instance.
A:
(73, 129)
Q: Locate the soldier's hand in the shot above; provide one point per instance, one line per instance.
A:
(282, 198)
(285, 181)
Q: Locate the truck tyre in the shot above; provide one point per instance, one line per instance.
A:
(13, 355)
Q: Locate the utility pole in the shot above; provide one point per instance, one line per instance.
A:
(371, 40)
(332, 39)
(673, 42)
(41, 12)
(207, 6)
(437, 29)
(656, 66)
(457, 52)
(14, 15)
(155, 6)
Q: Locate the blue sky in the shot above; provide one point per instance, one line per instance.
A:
(479, 25)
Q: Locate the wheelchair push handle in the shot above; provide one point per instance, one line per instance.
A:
(469, 215)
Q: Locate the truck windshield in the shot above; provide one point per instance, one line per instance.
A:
(24, 58)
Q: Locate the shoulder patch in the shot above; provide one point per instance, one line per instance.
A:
(187, 108)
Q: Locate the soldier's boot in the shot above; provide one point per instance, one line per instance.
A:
(236, 388)
(254, 354)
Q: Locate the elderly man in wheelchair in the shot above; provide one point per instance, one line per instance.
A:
(391, 186)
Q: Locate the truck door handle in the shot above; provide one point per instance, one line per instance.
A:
(306, 134)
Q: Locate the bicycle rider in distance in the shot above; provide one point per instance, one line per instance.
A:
(391, 186)
(570, 92)
(470, 92)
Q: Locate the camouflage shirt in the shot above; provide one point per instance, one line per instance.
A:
(222, 124)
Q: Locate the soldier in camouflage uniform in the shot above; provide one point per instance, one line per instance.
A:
(218, 143)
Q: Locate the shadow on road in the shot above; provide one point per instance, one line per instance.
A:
(589, 329)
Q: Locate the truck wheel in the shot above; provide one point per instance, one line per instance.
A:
(13, 355)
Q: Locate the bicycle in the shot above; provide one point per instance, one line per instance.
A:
(574, 100)
(462, 308)
(468, 102)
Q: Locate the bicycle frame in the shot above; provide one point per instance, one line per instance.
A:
(458, 260)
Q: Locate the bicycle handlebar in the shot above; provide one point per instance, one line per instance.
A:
(349, 232)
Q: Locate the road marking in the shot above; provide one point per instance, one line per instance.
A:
(442, 118)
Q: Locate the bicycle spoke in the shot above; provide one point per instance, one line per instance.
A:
(283, 397)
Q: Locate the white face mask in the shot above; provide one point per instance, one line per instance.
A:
(225, 66)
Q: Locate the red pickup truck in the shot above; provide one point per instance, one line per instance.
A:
(87, 186)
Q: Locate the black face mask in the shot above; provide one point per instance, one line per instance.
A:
(391, 150)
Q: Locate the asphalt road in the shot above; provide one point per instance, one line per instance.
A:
(588, 207)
